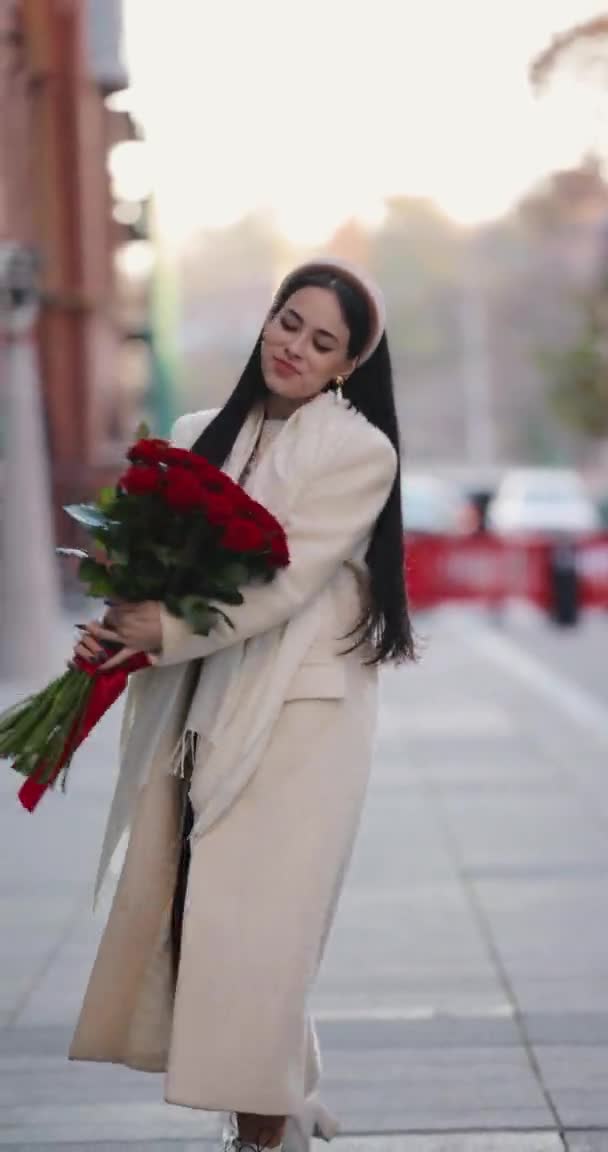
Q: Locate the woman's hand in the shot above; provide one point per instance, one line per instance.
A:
(87, 647)
(136, 627)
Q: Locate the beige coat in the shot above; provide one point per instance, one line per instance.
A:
(287, 724)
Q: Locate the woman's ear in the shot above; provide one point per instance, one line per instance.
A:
(351, 365)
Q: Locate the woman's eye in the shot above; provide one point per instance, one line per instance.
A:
(292, 326)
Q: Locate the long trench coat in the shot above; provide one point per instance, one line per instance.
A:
(286, 718)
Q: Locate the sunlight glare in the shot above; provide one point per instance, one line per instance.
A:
(322, 125)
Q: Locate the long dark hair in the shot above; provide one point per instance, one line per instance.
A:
(386, 622)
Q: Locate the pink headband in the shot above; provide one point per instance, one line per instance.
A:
(359, 279)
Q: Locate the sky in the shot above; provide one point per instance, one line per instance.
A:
(319, 111)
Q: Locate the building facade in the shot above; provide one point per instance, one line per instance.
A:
(60, 62)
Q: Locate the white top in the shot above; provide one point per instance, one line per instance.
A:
(269, 429)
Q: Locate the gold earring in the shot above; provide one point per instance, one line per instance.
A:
(340, 381)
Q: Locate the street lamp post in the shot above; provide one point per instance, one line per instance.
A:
(29, 587)
(480, 432)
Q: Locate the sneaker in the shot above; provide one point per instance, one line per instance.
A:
(236, 1144)
(232, 1142)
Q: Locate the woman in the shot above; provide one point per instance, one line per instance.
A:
(246, 753)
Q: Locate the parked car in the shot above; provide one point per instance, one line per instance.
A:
(432, 505)
(552, 500)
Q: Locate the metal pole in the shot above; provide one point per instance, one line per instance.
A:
(29, 585)
(480, 438)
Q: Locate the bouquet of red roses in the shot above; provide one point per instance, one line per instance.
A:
(174, 529)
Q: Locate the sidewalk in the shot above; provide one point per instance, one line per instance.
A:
(463, 1000)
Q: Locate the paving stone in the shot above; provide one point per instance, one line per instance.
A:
(434, 1142)
(541, 829)
(587, 1141)
(577, 1079)
(76, 1124)
(570, 1028)
(453, 1142)
(421, 1089)
(481, 835)
(547, 929)
(441, 1031)
(117, 1145)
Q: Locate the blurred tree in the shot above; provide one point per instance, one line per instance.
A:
(351, 242)
(226, 279)
(557, 304)
(584, 46)
(567, 198)
(579, 372)
(416, 258)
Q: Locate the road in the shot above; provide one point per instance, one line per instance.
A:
(463, 1000)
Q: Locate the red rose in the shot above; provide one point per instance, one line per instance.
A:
(264, 518)
(141, 480)
(217, 481)
(243, 536)
(219, 509)
(183, 490)
(151, 451)
(204, 469)
(182, 457)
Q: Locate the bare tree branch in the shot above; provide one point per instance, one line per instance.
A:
(589, 33)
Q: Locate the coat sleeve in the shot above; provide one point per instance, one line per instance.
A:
(331, 517)
(187, 429)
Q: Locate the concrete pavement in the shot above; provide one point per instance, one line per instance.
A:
(463, 1000)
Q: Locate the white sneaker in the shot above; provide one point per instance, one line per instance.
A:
(236, 1144)
(232, 1142)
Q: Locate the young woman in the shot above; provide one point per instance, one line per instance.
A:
(246, 753)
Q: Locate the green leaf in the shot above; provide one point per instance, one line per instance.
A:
(225, 618)
(234, 574)
(106, 498)
(100, 588)
(173, 605)
(226, 595)
(142, 432)
(165, 554)
(89, 515)
(118, 556)
(89, 568)
(77, 552)
(197, 613)
(96, 577)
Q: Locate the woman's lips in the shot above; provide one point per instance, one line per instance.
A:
(282, 368)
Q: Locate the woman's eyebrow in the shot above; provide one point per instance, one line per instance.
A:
(321, 331)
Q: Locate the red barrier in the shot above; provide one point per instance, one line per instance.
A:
(490, 569)
(592, 571)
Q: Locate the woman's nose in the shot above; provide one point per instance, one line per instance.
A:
(296, 344)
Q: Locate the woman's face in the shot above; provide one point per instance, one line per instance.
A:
(305, 345)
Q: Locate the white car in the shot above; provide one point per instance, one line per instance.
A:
(431, 505)
(552, 500)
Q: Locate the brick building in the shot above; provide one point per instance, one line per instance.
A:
(60, 61)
